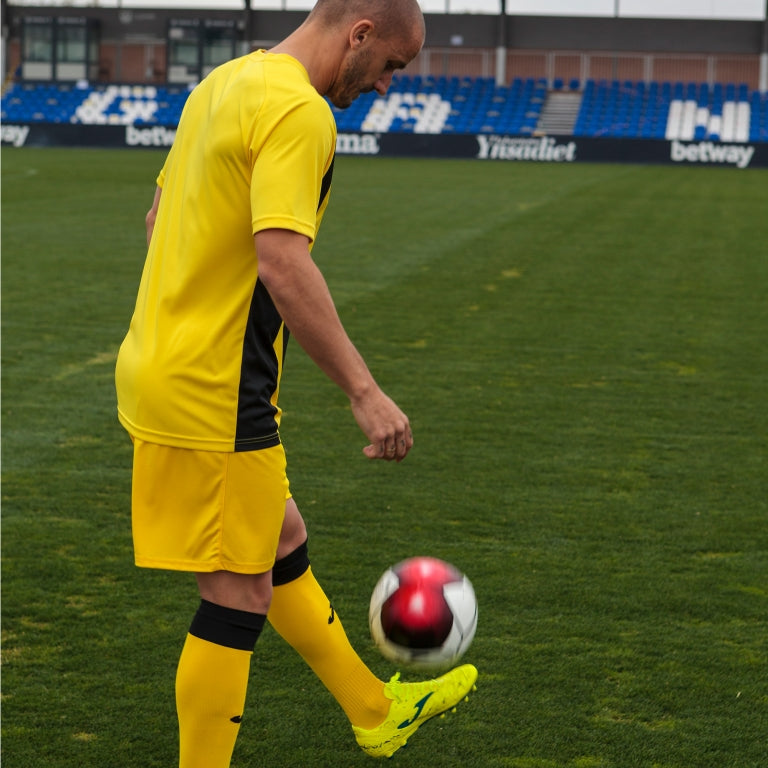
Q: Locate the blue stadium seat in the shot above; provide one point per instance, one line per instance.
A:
(433, 104)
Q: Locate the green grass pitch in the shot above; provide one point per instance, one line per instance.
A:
(583, 352)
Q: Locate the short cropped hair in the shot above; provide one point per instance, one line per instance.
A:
(391, 17)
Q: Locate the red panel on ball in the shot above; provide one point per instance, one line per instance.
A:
(417, 615)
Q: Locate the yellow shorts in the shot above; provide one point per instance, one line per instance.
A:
(206, 511)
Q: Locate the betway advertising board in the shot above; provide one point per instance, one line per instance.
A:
(487, 147)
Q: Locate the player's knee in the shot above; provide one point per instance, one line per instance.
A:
(243, 592)
(293, 533)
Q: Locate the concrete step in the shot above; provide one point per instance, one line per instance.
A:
(559, 113)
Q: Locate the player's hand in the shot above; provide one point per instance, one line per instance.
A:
(385, 425)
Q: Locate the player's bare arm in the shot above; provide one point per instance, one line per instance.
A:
(302, 298)
(152, 214)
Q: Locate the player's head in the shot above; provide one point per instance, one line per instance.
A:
(381, 36)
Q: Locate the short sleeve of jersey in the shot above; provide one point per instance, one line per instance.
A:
(287, 187)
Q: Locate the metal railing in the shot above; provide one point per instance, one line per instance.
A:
(581, 66)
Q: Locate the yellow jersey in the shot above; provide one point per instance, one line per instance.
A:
(200, 365)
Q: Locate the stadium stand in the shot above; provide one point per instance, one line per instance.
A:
(93, 105)
(430, 105)
(683, 111)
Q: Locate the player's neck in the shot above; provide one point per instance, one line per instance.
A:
(315, 52)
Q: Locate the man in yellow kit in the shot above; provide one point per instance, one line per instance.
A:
(228, 272)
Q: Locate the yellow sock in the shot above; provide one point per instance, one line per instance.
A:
(302, 614)
(211, 683)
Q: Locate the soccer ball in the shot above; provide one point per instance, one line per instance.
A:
(423, 613)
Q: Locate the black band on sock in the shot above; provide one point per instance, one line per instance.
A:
(227, 626)
(291, 566)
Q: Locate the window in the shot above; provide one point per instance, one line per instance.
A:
(218, 46)
(38, 42)
(71, 45)
(184, 53)
(183, 42)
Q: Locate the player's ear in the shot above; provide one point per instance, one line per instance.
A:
(360, 33)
